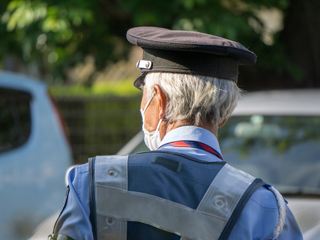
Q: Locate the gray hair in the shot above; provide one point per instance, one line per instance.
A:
(195, 98)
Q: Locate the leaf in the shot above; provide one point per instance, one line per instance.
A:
(5, 17)
(13, 5)
(49, 24)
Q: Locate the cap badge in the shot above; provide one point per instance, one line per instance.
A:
(143, 64)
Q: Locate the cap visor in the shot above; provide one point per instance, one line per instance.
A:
(139, 81)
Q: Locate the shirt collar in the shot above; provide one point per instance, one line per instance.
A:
(191, 133)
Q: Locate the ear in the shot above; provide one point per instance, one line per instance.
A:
(161, 97)
(223, 122)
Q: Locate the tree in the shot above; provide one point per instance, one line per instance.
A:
(55, 35)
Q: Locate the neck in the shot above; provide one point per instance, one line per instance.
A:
(169, 127)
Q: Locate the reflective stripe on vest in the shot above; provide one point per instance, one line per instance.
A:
(115, 205)
(111, 172)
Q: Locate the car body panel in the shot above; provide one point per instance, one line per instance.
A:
(301, 102)
(306, 212)
(32, 175)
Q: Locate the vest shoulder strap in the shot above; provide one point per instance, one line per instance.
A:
(110, 172)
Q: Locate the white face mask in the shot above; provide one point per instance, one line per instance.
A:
(151, 139)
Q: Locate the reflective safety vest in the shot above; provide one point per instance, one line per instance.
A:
(112, 205)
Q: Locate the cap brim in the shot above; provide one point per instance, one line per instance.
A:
(139, 81)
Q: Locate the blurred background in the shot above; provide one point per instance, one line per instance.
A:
(78, 47)
(78, 50)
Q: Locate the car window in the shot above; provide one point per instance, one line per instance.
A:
(282, 150)
(15, 119)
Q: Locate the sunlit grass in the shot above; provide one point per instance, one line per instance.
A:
(114, 88)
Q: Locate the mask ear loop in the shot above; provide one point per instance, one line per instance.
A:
(159, 124)
(145, 108)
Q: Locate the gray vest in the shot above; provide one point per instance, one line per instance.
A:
(112, 205)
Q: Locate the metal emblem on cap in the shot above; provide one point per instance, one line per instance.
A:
(143, 64)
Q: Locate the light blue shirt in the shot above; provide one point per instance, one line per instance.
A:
(257, 220)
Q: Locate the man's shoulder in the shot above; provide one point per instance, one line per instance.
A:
(78, 170)
(78, 174)
(264, 198)
(82, 169)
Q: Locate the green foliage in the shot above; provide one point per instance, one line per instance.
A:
(54, 34)
(58, 34)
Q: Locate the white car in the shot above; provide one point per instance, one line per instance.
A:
(274, 135)
(34, 156)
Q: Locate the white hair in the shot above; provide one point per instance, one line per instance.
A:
(194, 98)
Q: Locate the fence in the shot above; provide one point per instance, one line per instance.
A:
(99, 125)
